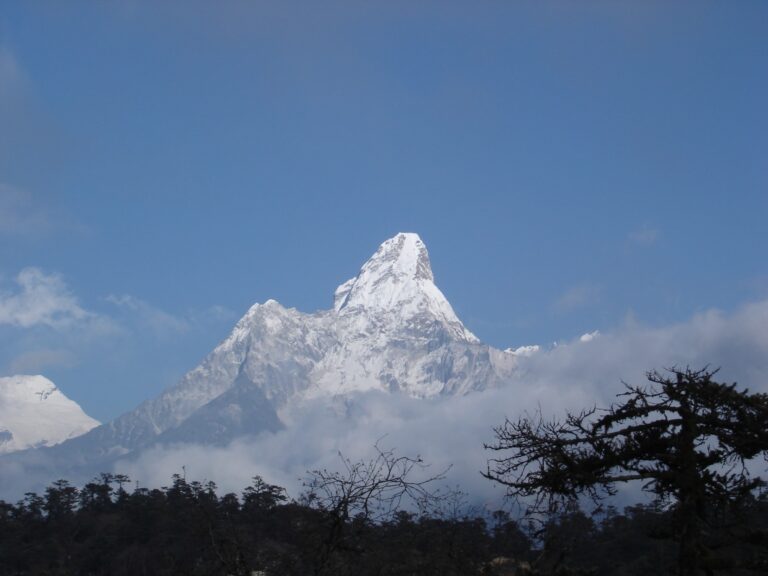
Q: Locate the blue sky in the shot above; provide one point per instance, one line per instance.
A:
(571, 166)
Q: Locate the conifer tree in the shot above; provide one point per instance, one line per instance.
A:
(687, 438)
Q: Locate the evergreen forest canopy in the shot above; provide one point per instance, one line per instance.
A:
(687, 438)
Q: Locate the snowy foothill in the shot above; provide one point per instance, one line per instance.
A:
(34, 412)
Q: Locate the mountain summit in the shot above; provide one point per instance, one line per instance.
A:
(397, 281)
(398, 268)
(390, 329)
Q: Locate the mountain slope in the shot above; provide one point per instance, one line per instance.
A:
(390, 329)
(34, 413)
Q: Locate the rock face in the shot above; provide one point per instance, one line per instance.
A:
(34, 413)
(390, 329)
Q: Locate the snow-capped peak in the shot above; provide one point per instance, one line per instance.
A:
(400, 263)
(398, 280)
(34, 412)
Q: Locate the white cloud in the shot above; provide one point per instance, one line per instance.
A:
(44, 325)
(524, 350)
(589, 336)
(41, 299)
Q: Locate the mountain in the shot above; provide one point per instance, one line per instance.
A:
(34, 413)
(390, 329)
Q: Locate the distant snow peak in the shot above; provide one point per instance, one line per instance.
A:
(34, 412)
(25, 389)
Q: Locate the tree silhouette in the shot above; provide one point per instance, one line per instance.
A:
(685, 437)
(365, 491)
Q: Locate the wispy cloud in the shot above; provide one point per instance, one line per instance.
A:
(138, 312)
(44, 326)
(19, 215)
(645, 236)
(41, 299)
(40, 360)
(160, 322)
(10, 72)
(47, 328)
(579, 296)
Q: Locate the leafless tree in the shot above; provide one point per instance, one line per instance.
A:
(365, 491)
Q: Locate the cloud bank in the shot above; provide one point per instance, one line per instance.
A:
(451, 431)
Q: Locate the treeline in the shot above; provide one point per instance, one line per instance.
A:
(188, 529)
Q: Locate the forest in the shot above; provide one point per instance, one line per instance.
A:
(186, 528)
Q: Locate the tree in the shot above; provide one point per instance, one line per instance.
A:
(685, 437)
(261, 497)
(60, 500)
(365, 491)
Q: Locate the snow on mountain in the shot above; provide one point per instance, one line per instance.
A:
(390, 329)
(398, 279)
(34, 412)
